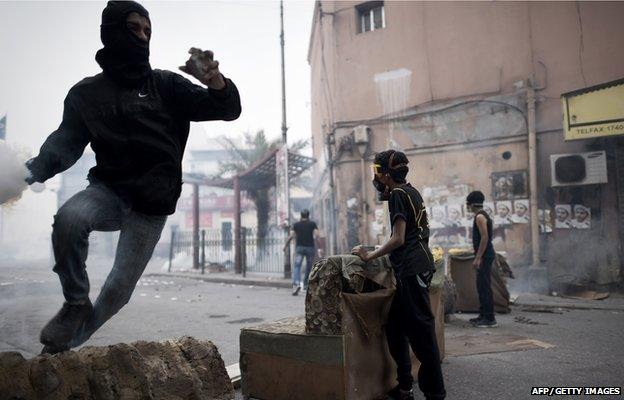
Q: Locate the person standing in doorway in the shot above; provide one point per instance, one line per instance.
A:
(484, 258)
(305, 233)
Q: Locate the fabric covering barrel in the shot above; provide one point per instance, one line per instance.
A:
(345, 274)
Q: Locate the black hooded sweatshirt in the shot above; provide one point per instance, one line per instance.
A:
(138, 134)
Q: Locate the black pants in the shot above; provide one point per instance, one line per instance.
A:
(411, 323)
(484, 288)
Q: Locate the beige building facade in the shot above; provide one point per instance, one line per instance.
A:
(453, 85)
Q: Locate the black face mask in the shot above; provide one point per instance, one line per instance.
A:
(383, 191)
(125, 57)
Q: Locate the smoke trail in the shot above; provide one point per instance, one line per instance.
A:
(13, 172)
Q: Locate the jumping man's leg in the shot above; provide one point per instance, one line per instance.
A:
(138, 238)
(95, 208)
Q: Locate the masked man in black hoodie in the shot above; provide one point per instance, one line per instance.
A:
(137, 121)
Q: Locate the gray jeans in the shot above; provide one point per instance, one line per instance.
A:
(97, 208)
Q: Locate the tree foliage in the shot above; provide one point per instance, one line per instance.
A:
(255, 146)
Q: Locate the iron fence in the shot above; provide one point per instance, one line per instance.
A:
(264, 255)
(216, 250)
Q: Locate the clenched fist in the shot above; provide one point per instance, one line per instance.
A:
(202, 66)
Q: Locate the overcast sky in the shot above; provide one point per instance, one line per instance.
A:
(46, 47)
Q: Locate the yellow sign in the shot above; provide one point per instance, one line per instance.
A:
(594, 112)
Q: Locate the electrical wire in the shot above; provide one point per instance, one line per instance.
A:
(350, 124)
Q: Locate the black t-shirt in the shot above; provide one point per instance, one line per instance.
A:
(305, 232)
(476, 236)
(414, 256)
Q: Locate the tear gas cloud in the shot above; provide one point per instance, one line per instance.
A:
(13, 173)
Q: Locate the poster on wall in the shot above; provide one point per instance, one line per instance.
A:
(468, 219)
(454, 215)
(509, 185)
(378, 224)
(582, 217)
(563, 216)
(443, 195)
(438, 217)
(488, 207)
(521, 213)
(545, 221)
(503, 213)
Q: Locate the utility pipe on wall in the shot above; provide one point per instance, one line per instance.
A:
(365, 236)
(535, 244)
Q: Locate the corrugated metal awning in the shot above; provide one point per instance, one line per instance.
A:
(261, 174)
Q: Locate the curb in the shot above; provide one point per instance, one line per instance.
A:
(229, 281)
(571, 306)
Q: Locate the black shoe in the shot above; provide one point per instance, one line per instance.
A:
(475, 320)
(54, 350)
(60, 330)
(296, 290)
(397, 394)
(486, 323)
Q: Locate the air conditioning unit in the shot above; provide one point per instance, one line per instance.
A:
(578, 169)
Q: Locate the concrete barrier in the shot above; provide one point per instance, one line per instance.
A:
(181, 369)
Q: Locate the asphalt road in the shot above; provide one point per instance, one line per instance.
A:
(160, 308)
(588, 351)
(588, 344)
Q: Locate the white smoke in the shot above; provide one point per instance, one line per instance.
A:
(13, 173)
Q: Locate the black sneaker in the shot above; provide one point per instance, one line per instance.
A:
(54, 350)
(486, 323)
(397, 394)
(60, 330)
(475, 320)
(296, 290)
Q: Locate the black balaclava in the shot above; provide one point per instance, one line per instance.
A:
(393, 163)
(125, 57)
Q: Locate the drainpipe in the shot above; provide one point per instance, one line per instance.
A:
(535, 244)
(332, 195)
(365, 236)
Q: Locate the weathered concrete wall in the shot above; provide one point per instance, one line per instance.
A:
(182, 369)
(458, 49)
(470, 51)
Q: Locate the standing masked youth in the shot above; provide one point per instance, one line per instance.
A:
(410, 320)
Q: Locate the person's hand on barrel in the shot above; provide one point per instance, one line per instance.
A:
(361, 252)
(202, 65)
